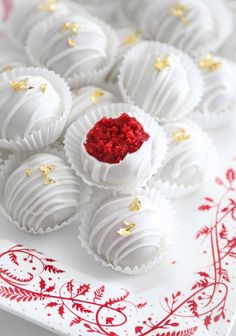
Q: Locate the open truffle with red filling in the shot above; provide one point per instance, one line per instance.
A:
(117, 146)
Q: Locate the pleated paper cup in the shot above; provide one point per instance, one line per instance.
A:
(48, 134)
(94, 77)
(167, 107)
(175, 190)
(95, 172)
(12, 163)
(167, 226)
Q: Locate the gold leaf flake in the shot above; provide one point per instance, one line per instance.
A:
(132, 38)
(164, 64)
(48, 6)
(7, 67)
(72, 26)
(209, 64)
(128, 230)
(20, 85)
(181, 135)
(45, 170)
(180, 10)
(71, 42)
(135, 205)
(96, 95)
(28, 172)
(43, 87)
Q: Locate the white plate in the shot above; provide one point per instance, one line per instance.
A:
(192, 292)
(194, 308)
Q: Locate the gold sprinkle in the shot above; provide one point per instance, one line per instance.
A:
(135, 205)
(71, 42)
(73, 27)
(181, 135)
(43, 87)
(20, 85)
(128, 230)
(28, 172)
(48, 6)
(45, 170)
(164, 64)
(132, 38)
(7, 67)
(96, 95)
(180, 11)
(209, 64)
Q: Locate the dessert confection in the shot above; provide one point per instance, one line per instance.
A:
(128, 231)
(27, 103)
(34, 107)
(30, 13)
(41, 194)
(160, 79)
(71, 45)
(86, 99)
(186, 165)
(219, 78)
(10, 56)
(116, 146)
(193, 26)
(128, 38)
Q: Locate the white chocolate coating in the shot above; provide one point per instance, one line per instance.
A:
(10, 56)
(88, 53)
(23, 111)
(36, 206)
(30, 13)
(145, 244)
(186, 162)
(83, 102)
(130, 171)
(163, 94)
(220, 88)
(158, 24)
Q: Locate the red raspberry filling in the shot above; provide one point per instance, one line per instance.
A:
(110, 140)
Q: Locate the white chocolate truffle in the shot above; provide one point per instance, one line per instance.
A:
(86, 99)
(116, 146)
(187, 157)
(128, 38)
(27, 103)
(27, 14)
(42, 193)
(70, 45)
(220, 84)
(125, 237)
(161, 80)
(131, 169)
(190, 25)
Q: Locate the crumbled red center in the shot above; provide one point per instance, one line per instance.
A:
(110, 140)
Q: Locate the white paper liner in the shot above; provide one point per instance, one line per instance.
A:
(79, 129)
(167, 215)
(176, 191)
(221, 16)
(194, 76)
(36, 39)
(213, 120)
(13, 162)
(47, 134)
